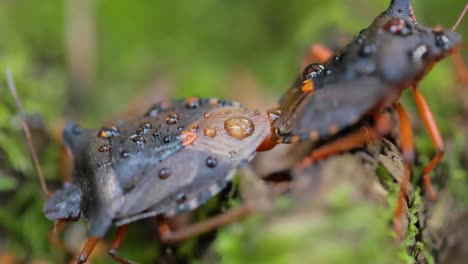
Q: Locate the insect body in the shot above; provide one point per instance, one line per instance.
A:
(171, 160)
(333, 100)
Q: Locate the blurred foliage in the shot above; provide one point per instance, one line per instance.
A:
(199, 47)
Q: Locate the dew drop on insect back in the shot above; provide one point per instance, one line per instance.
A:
(311, 71)
(367, 50)
(209, 131)
(156, 133)
(164, 173)
(172, 119)
(192, 102)
(124, 154)
(181, 198)
(154, 111)
(108, 132)
(194, 128)
(239, 127)
(211, 162)
(144, 128)
(398, 27)
(273, 114)
(138, 139)
(167, 139)
(104, 148)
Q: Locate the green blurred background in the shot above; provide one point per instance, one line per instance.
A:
(95, 61)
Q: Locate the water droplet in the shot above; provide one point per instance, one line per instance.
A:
(210, 131)
(211, 162)
(273, 114)
(164, 173)
(367, 50)
(167, 139)
(239, 127)
(124, 154)
(172, 119)
(192, 102)
(108, 132)
(138, 139)
(156, 133)
(232, 153)
(144, 128)
(312, 71)
(104, 148)
(154, 111)
(398, 26)
(181, 198)
(180, 128)
(194, 128)
(206, 115)
(222, 102)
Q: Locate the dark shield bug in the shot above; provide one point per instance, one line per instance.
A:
(173, 159)
(332, 101)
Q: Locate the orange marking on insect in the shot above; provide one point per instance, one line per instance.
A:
(313, 136)
(307, 86)
(188, 138)
(191, 100)
(102, 134)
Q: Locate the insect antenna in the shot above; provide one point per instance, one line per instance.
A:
(11, 85)
(463, 13)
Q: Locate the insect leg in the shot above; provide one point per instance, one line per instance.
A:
(87, 249)
(407, 148)
(357, 138)
(317, 53)
(461, 71)
(117, 242)
(168, 236)
(436, 138)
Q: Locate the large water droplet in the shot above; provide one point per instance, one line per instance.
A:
(239, 127)
(209, 131)
(164, 173)
(172, 119)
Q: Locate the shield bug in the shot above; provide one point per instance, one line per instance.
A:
(171, 160)
(332, 101)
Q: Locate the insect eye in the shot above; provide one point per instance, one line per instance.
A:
(398, 27)
(442, 41)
